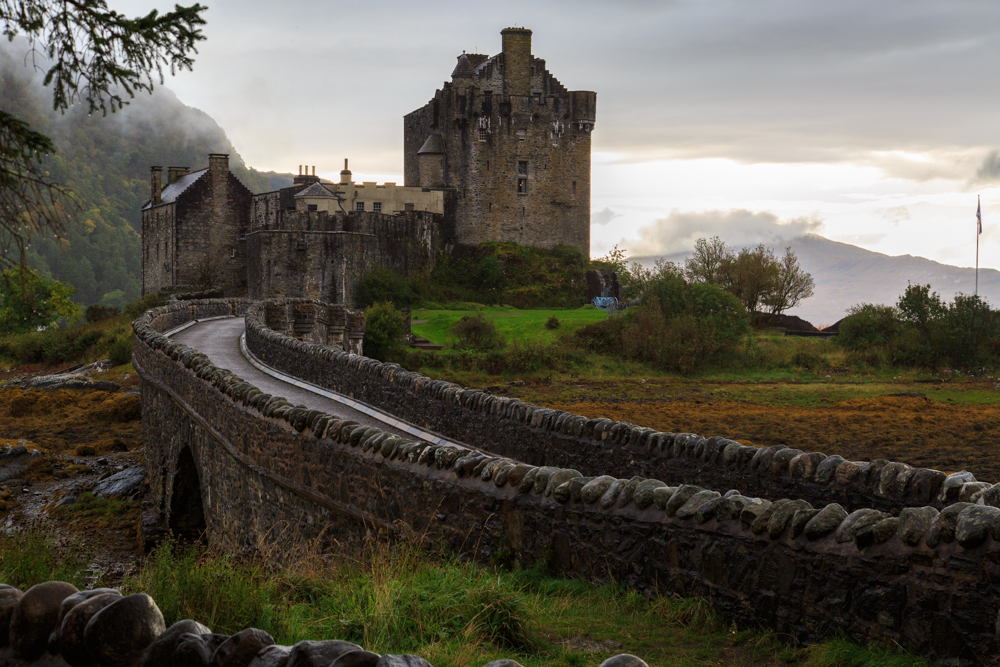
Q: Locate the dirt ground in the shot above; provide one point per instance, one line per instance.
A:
(920, 427)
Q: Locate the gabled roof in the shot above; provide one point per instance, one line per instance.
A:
(433, 146)
(316, 190)
(174, 190)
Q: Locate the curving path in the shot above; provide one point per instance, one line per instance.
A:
(220, 340)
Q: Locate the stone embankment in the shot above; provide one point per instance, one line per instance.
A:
(55, 625)
(805, 565)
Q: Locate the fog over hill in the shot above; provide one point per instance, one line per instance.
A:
(846, 275)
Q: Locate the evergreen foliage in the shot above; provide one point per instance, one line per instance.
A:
(29, 302)
(384, 327)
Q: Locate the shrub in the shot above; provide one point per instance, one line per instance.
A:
(868, 325)
(137, 308)
(120, 352)
(552, 323)
(85, 450)
(381, 285)
(99, 313)
(476, 333)
(384, 328)
(489, 275)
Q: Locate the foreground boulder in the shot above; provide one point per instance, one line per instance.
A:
(35, 617)
(118, 634)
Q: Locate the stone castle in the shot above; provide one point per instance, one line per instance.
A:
(500, 154)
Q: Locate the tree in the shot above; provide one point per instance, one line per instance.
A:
(792, 286)
(28, 301)
(709, 261)
(92, 55)
(752, 277)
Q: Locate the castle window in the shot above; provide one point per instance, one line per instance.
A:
(359, 206)
(522, 167)
(232, 252)
(408, 206)
(522, 186)
(538, 97)
(377, 207)
(573, 188)
(482, 134)
(312, 207)
(522, 134)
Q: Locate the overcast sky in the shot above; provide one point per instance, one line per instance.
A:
(870, 122)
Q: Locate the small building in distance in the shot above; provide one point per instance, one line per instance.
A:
(194, 228)
(514, 145)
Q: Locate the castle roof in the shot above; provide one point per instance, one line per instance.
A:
(463, 68)
(433, 146)
(316, 190)
(174, 190)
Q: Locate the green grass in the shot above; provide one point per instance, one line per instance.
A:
(398, 599)
(513, 324)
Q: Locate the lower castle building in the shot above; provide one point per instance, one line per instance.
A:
(500, 154)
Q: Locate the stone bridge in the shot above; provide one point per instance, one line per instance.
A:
(259, 427)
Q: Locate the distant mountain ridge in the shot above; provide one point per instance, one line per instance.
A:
(846, 275)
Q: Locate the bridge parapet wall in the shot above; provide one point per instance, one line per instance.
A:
(541, 436)
(266, 470)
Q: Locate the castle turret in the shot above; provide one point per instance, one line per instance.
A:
(517, 61)
(431, 158)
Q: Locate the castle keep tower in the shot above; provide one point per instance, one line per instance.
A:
(514, 146)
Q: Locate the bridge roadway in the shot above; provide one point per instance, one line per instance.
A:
(219, 339)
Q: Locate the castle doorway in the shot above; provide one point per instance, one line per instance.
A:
(187, 516)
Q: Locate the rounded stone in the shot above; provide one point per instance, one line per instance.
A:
(359, 658)
(505, 662)
(160, 653)
(914, 522)
(240, 649)
(688, 509)
(35, 617)
(627, 492)
(596, 488)
(8, 600)
(781, 460)
(825, 522)
(826, 469)
(197, 650)
(799, 520)
(876, 533)
(661, 496)
(318, 654)
(753, 510)
(624, 660)
(559, 478)
(643, 497)
(680, 497)
(272, 656)
(71, 642)
(974, 524)
(118, 634)
(83, 596)
(943, 528)
(611, 495)
(953, 483)
(782, 515)
(846, 472)
(857, 521)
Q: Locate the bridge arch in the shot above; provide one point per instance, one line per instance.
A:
(187, 513)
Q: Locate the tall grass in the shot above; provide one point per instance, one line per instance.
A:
(395, 598)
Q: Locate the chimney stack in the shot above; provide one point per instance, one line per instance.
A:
(517, 61)
(345, 175)
(173, 173)
(155, 184)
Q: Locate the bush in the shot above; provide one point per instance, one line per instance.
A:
(552, 323)
(381, 285)
(137, 308)
(868, 325)
(384, 328)
(476, 333)
(679, 327)
(120, 352)
(489, 275)
(99, 313)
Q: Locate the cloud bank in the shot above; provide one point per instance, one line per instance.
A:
(678, 232)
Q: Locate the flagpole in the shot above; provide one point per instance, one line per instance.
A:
(978, 223)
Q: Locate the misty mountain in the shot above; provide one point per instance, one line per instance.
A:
(106, 160)
(846, 275)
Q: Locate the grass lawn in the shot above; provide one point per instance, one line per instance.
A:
(512, 323)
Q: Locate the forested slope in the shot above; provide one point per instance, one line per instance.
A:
(106, 161)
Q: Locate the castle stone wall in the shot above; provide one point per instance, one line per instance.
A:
(158, 247)
(266, 470)
(321, 256)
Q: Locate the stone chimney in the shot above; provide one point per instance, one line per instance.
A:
(218, 163)
(304, 178)
(517, 61)
(173, 173)
(155, 184)
(345, 174)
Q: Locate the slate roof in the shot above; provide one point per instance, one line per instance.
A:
(174, 190)
(463, 68)
(316, 190)
(433, 146)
